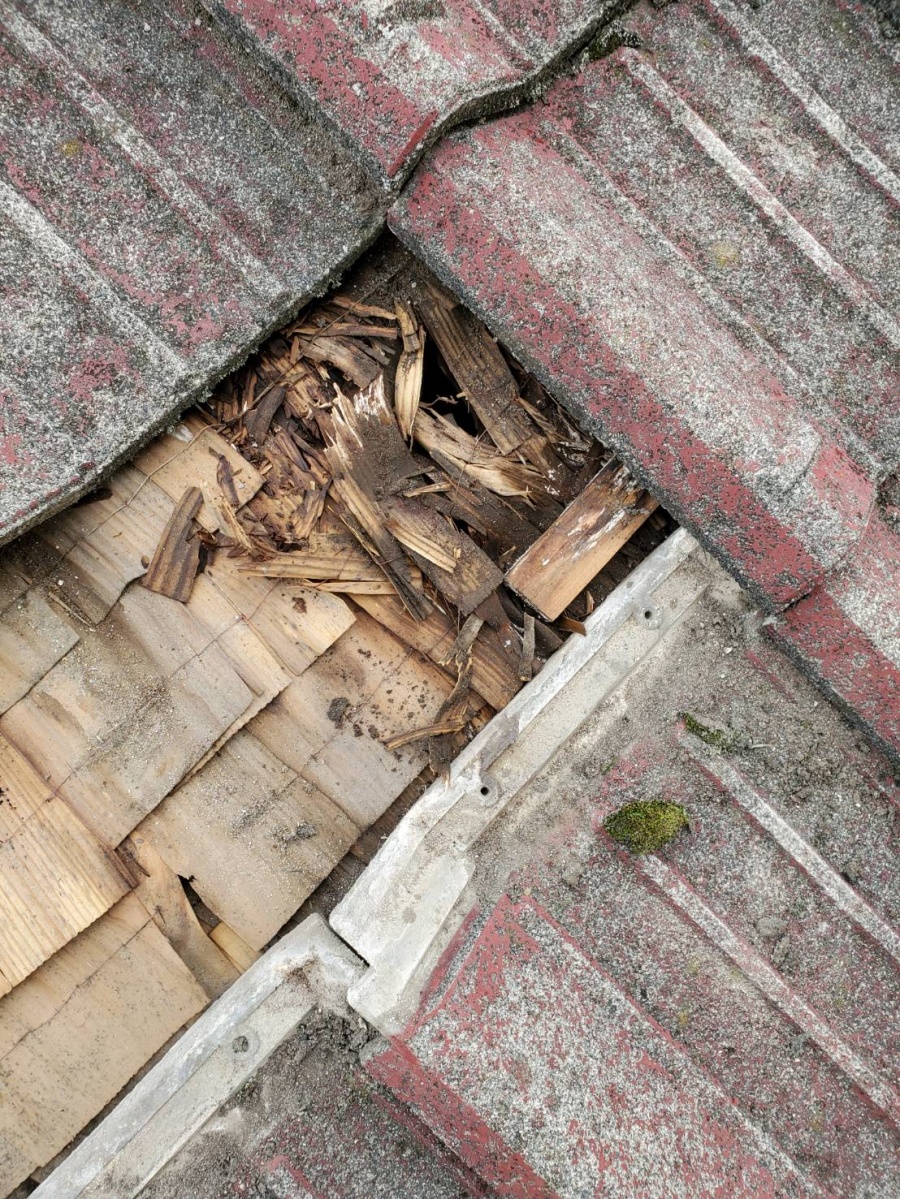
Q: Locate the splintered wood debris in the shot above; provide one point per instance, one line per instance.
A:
(409, 464)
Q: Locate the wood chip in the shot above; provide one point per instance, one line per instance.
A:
(462, 646)
(345, 354)
(363, 309)
(329, 559)
(345, 329)
(450, 725)
(408, 379)
(174, 566)
(354, 487)
(257, 421)
(462, 572)
(475, 459)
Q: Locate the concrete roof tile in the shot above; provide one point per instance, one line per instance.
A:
(392, 76)
(167, 206)
(709, 1016)
(712, 283)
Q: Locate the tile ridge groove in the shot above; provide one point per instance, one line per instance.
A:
(721, 307)
(772, 985)
(43, 235)
(138, 150)
(760, 196)
(830, 122)
(299, 161)
(839, 892)
(766, 1139)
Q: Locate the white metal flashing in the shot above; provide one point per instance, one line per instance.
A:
(396, 909)
(307, 968)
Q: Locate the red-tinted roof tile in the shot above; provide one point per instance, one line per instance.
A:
(713, 1018)
(391, 76)
(166, 206)
(696, 250)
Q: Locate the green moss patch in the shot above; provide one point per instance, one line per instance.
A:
(724, 739)
(647, 825)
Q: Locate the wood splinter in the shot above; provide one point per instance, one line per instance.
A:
(175, 563)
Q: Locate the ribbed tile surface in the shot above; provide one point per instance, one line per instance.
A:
(698, 251)
(165, 205)
(714, 1018)
(392, 75)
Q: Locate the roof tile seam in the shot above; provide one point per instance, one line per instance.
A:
(500, 101)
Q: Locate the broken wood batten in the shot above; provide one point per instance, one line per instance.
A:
(408, 380)
(576, 547)
(477, 363)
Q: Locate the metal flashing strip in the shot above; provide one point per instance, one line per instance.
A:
(400, 904)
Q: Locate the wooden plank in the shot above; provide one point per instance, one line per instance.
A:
(176, 559)
(160, 891)
(253, 837)
(239, 953)
(15, 1165)
(329, 724)
(15, 579)
(462, 572)
(494, 674)
(33, 638)
(101, 544)
(74, 1033)
(579, 544)
(119, 721)
(55, 880)
(37, 1000)
(295, 622)
(189, 456)
(259, 669)
(478, 366)
(22, 789)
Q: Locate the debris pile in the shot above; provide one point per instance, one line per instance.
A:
(412, 466)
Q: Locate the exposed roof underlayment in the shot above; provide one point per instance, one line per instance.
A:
(569, 1018)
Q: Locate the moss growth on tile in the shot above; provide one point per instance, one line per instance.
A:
(725, 740)
(647, 825)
